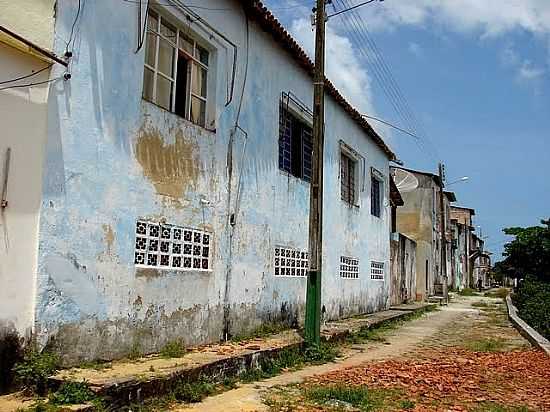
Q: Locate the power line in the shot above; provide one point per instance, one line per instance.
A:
(383, 74)
(27, 75)
(349, 8)
(73, 25)
(391, 125)
(18, 86)
(194, 6)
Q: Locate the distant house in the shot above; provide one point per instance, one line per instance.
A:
(176, 172)
(462, 226)
(420, 219)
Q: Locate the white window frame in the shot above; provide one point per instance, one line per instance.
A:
(176, 50)
(376, 174)
(294, 263)
(150, 237)
(349, 267)
(359, 172)
(377, 270)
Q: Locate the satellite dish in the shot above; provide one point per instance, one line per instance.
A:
(405, 180)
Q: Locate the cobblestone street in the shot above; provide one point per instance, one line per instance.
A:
(465, 356)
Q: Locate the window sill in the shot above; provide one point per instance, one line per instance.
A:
(296, 178)
(180, 118)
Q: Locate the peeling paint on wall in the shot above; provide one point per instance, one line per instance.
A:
(171, 168)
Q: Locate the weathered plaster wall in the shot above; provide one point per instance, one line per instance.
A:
(417, 219)
(403, 269)
(31, 19)
(24, 114)
(113, 158)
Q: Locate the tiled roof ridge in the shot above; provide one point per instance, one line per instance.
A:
(269, 23)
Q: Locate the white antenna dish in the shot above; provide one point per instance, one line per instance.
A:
(405, 180)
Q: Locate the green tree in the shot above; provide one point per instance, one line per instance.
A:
(529, 252)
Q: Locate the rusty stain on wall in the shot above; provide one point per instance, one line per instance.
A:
(109, 237)
(171, 168)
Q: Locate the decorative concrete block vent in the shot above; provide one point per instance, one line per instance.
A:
(290, 262)
(377, 270)
(349, 267)
(165, 246)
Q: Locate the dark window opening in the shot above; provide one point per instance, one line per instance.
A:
(376, 207)
(181, 86)
(347, 176)
(295, 145)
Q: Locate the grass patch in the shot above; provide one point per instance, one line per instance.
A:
(480, 304)
(499, 293)
(291, 358)
(72, 393)
(376, 333)
(33, 371)
(96, 365)
(360, 397)
(496, 407)
(193, 392)
(486, 345)
(173, 349)
(262, 331)
(468, 292)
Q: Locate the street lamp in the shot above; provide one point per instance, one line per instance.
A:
(462, 179)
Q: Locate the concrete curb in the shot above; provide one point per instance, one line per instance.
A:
(527, 331)
(126, 391)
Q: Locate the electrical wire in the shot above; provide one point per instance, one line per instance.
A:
(194, 6)
(143, 33)
(17, 86)
(383, 74)
(391, 125)
(349, 8)
(73, 26)
(26, 76)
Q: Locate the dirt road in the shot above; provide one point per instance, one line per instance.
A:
(462, 357)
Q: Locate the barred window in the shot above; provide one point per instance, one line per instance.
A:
(290, 262)
(347, 178)
(176, 70)
(349, 267)
(376, 196)
(295, 144)
(164, 246)
(377, 270)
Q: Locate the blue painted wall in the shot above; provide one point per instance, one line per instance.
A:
(113, 158)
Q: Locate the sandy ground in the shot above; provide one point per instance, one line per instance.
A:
(419, 335)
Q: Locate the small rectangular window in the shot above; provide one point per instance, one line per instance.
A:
(376, 196)
(295, 144)
(377, 270)
(164, 246)
(176, 70)
(290, 262)
(349, 267)
(347, 178)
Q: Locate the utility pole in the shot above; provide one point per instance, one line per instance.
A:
(313, 292)
(443, 228)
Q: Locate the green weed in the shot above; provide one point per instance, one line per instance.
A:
(72, 393)
(35, 368)
(262, 331)
(193, 392)
(173, 349)
(499, 293)
(468, 292)
(486, 345)
(496, 407)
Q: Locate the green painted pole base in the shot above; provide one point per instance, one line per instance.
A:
(313, 309)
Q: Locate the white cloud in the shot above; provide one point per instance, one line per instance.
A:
(509, 56)
(528, 71)
(488, 17)
(343, 67)
(415, 49)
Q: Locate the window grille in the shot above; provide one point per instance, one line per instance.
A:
(376, 196)
(377, 270)
(295, 144)
(176, 70)
(347, 177)
(290, 262)
(349, 267)
(165, 246)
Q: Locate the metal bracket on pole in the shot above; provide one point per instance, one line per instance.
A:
(4, 200)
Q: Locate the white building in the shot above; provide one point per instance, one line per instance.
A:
(175, 188)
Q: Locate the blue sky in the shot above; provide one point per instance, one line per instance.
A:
(476, 74)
